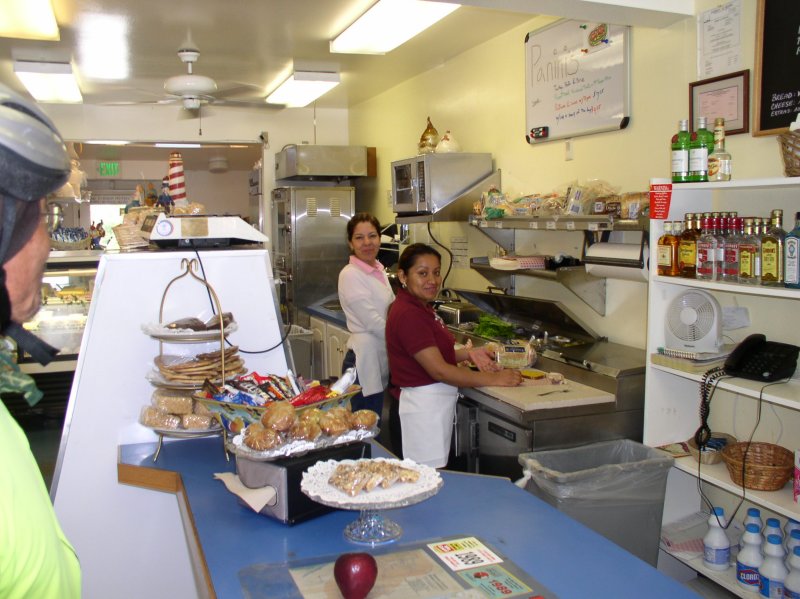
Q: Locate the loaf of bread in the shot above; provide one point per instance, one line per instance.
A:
(261, 438)
(279, 416)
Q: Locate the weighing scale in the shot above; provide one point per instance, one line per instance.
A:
(199, 231)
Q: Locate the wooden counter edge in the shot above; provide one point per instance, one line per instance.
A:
(171, 482)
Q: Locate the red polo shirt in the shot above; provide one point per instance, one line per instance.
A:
(411, 326)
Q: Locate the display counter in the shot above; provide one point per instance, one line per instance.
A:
(224, 536)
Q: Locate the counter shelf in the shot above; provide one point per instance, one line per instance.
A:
(224, 537)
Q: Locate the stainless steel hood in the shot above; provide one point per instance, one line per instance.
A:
(320, 163)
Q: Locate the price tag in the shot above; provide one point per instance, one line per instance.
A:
(533, 224)
(570, 225)
(495, 581)
(551, 226)
(483, 224)
(497, 225)
(593, 227)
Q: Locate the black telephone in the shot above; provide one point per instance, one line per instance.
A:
(757, 359)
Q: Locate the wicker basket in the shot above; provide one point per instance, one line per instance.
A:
(790, 148)
(67, 246)
(710, 457)
(128, 237)
(768, 466)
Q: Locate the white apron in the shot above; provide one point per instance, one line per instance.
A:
(426, 417)
(372, 363)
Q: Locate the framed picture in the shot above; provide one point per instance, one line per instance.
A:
(726, 96)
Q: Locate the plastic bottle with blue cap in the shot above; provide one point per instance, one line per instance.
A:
(773, 572)
(716, 544)
(792, 541)
(791, 586)
(753, 517)
(749, 559)
(772, 527)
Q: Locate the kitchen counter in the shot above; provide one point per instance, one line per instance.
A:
(225, 537)
(328, 309)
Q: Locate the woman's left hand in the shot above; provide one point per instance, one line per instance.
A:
(484, 359)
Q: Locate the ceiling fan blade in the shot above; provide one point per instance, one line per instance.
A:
(240, 89)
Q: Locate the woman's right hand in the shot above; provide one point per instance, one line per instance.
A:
(508, 377)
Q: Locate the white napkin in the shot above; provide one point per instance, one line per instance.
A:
(255, 498)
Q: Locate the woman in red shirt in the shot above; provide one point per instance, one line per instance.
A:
(423, 361)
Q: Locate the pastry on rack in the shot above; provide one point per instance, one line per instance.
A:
(363, 419)
(311, 415)
(279, 416)
(333, 425)
(159, 418)
(308, 431)
(261, 438)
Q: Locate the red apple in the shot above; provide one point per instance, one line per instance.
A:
(355, 574)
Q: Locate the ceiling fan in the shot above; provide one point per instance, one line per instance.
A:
(193, 91)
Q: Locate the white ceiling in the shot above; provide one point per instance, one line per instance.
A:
(247, 44)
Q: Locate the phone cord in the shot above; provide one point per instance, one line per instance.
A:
(703, 433)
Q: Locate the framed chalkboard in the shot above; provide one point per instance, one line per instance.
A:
(777, 68)
(577, 80)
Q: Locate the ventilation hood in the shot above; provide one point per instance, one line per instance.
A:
(321, 163)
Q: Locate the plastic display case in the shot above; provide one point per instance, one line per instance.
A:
(67, 288)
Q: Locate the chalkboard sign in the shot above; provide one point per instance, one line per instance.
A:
(577, 80)
(777, 69)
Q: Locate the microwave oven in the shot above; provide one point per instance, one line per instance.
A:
(428, 183)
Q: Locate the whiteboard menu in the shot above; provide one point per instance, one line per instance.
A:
(577, 80)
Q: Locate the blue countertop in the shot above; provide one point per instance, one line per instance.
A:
(568, 558)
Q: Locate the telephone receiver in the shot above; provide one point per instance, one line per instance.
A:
(757, 359)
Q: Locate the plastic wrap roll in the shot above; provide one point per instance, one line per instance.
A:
(614, 252)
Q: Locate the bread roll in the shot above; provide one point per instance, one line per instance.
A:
(279, 416)
(308, 431)
(364, 419)
(333, 425)
(257, 437)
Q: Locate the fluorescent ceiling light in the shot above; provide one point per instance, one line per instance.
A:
(103, 46)
(177, 145)
(108, 142)
(388, 24)
(28, 19)
(302, 88)
(49, 81)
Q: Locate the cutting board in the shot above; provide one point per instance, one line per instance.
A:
(529, 397)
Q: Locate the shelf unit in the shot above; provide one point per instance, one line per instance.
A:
(672, 396)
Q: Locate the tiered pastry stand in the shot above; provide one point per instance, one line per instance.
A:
(189, 269)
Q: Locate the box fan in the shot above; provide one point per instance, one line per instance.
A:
(693, 322)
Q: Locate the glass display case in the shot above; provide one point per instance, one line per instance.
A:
(67, 288)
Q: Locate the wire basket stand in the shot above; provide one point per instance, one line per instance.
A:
(190, 267)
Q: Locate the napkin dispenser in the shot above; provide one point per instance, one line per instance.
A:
(291, 505)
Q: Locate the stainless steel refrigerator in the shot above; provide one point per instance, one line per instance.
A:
(309, 244)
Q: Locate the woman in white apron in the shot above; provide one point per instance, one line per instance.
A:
(365, 295)
(424, 362)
